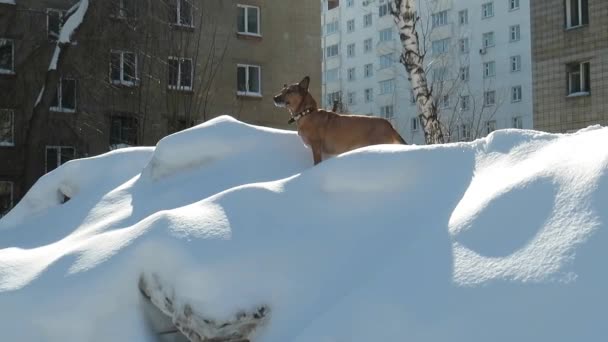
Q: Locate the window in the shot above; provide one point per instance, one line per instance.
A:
(489, 98)
(440, 18)
(332, 50)
(579, 80)
(367, 45)
(463, 17)
(387, 87)
(386, 60)
(7, 127)
(463, 45)
(351, 97)
(350, 50)
(386, 35)
(368, 70)
(332, 75)
(489, 69)
(123, 130)
(350, 3)
(249, 20)
(350, 26)
(331, 4)
(464, 73)
(414, 124)
(383, 10)
(7, 56)
(464, 132)
(335, 97)
(65, 100)
(369, 95)
(441, 46)
(332, 27)
(350, 74)
(412, 97)
(488, 39)
(517, 122)
(367, 20)
(387, 112)
(57, 156)
(54, 22)
(513, 4)
(180, 73)
(516, 94)
(181, 13)
(487, 10)
(6, 197)
(465, 102)
(126, 9)
(123, 68)
(577, 13)
(514, 33)
(440, 74)
(515, 63)
(490, 126)
(248, 80)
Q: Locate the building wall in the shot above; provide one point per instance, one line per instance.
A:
(553, 48)
(503, 113)
(287, 49)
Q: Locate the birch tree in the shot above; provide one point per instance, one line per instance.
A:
(406, 18)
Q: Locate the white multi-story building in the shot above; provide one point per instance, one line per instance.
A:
(478, 61)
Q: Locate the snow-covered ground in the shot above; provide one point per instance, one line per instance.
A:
(501, 239)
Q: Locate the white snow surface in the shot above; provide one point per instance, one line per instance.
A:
(500, 239)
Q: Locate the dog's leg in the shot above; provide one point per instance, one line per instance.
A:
(317, 154)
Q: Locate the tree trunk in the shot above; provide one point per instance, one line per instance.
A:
(405, 17)
(34, 137)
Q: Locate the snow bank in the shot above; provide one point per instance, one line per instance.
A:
(500, 239)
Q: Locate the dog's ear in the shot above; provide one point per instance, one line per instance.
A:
(304, 82)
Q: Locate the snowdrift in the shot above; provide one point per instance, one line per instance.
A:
(499, 239)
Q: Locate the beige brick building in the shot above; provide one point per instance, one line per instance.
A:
(139, 70)
(570, 64)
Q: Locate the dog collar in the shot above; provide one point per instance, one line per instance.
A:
(295, 118)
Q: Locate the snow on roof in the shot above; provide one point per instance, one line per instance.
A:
(499, 239)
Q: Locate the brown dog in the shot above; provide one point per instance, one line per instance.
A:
(329, 133)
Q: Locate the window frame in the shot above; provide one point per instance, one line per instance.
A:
(492, 41)
(329, 49)
(48, 23)
(486, 94)
(368, 95)
(517, 33)
(351, 97)
(484, 7)
(122, 81)
(10, 71)
(515, 61)
(463, 17)
(178, 14)
(246, 18)
(384, 37)
(11, 141)
(248, 92)
(368, 45)
(367, 20)
(351, 74)
(368, 67)
(386, 60)
(439, 19)
(463, 45)
(490, 126)
(582, 79)
(414, 124)
(350, 50)
(178, 86)
(58, 148)
(384, 111)
(391, 82)
(516, 93)
(489, 66)
(513, 5)
(59, 108)
(517, 122)
(12, 197)
(582, 20)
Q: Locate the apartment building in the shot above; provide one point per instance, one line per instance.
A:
(570, 54)
(139, 70)
(478, 61)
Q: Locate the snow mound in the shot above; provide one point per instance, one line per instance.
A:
(499, 239)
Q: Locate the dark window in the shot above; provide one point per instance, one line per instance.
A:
(180, 73)
(57, 156)
(54, 22)
(577, 13)
(248, 19)
(7, 127)
(123, 130)
(126, 8)
(123, 67)
(6, 56)
(65, 100)
(578, 78)
(248, 80)
(180, 12)
(6, 197)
